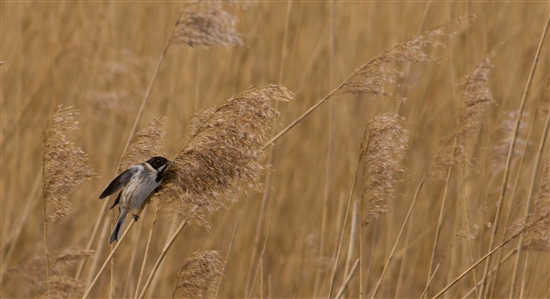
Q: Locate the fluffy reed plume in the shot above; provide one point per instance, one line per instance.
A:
(205, 24)
(61, 286)
(448, 156)
(382, 149)
(119, 82)
(381, 73)
(468, 231)
(475, 96)
(224, 153)
(537, 237)
(146, 143)
(197, 276)
(32, 271)
(64, 163)
(501, 145)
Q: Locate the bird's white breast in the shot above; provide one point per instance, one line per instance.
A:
(141, 185)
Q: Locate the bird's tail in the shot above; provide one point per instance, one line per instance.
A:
(117, 230)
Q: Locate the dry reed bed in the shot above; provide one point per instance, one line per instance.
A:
(418, 135)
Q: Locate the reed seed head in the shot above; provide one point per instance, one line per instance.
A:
(223, 155)
(119, 83)
(475, 95)
(537, 236)
(205, 24)
(381, 74)
(449, 156)
(503, 140)
(62, 286)
(33, 271)
(382, 149)
(64, 163)
(146, 143)
(199, 273)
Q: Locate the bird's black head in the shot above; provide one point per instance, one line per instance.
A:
(159, 163)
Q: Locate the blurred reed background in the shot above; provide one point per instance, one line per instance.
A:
(99, 57)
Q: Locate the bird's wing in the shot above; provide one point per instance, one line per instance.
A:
(120, 181)
(117, 200)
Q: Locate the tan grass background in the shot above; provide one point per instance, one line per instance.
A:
(100, 56)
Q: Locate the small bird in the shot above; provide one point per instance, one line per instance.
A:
(137, 183)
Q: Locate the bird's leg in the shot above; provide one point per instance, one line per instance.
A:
(136, 217)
